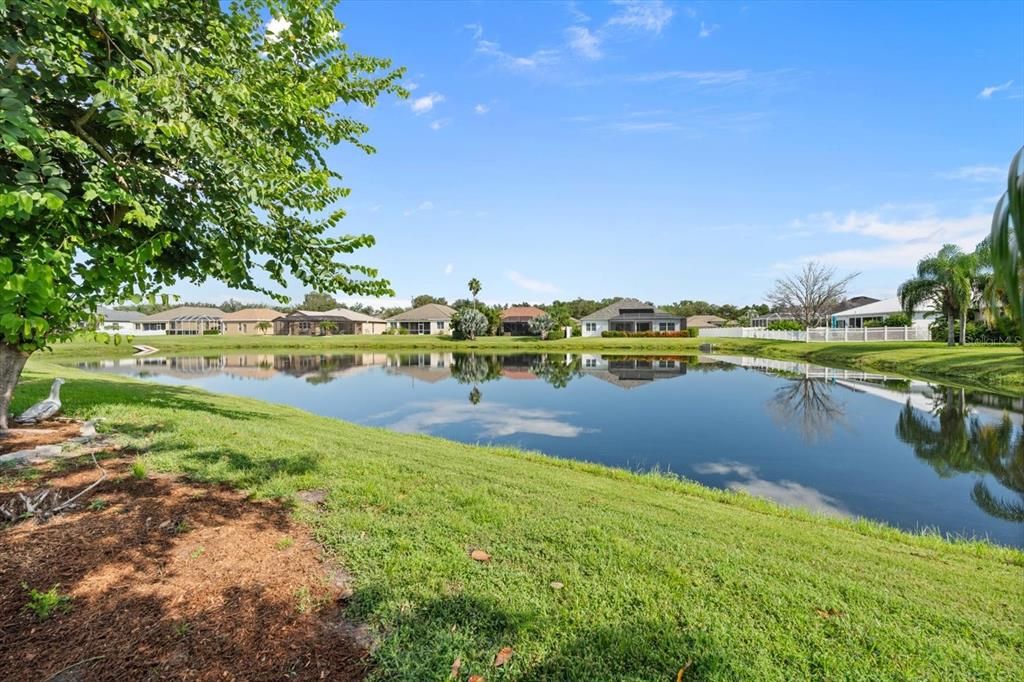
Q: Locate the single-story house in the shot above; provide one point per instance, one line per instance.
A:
(705, 321)
(847, 304)
(432, 318)
(516, 320)
(627, 372)
(119, 321)
(876, 312)
(249, 321)
(184, 321)
(768, 318)
(630, 315)
(321, 323)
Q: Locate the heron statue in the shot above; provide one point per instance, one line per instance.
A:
(44, 409)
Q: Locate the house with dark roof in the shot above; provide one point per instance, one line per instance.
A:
(432, 318)
(516, 320)
(322, 323)
(631, 315)
(184, 321)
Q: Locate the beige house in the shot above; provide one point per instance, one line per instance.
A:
(183, 321)
(322, 323)
(251, 321)
(705, 321)
(432, 318)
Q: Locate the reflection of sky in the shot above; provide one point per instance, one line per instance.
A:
(721, 427)
(494, 420)
(788, 493)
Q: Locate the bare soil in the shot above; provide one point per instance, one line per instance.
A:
(47, 433)
(170, 580)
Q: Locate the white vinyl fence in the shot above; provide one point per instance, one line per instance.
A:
(826, 334)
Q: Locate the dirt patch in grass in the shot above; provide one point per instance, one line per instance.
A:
(169, 580)
(48, 433)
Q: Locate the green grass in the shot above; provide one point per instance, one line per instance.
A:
(656, 571)
(993, 367)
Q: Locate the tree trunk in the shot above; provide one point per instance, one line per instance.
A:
(950, 330)
(12, 361)
(963, 329)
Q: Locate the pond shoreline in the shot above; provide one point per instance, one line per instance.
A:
(997, 368)
(403, 511)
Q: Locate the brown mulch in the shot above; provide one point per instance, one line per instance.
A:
(48, 433)
(171, 580)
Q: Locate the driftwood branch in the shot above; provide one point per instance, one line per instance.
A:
(46, 503)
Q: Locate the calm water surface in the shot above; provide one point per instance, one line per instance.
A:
(913, 454)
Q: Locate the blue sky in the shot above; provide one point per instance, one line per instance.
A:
(670, 150)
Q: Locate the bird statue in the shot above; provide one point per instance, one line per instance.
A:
(44, 409)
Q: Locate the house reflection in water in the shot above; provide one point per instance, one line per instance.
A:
(429, 367)
(632, 372)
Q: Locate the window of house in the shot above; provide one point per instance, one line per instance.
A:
(440, 324)
(591, 326)
(590, 362)
(666, 326)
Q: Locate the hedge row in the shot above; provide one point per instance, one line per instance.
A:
(685, 333)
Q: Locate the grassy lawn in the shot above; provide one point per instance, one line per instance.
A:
(991, 367)
(656, 572)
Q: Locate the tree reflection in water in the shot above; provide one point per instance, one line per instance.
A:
(810, 406)
(954, 441)
(556, 371)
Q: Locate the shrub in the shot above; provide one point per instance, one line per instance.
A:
(976, 332)
(785, 326)
(645, 335)
(211, 332)
(694, 333)
(45, 604)
(469, 323)
(542, 325)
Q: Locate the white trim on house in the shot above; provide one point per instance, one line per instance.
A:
(879, 310)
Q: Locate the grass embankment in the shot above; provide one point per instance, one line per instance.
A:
(989, 367)
(656, 572)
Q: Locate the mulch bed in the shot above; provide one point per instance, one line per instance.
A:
(48, 433)
(170, 580)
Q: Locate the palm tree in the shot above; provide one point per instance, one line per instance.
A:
(263, 326)
(946, 280)
(1007, 242)
(474, 288)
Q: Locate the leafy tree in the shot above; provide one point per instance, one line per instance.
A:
(474, 287)
(424, 299)
(542, 325)
(469, 323)
(328, 327)
(1007, 243)
(264, 326)
(147, 141)
(946, 281)
(811, 295)
(318, 302)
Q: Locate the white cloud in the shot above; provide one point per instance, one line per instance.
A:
(787, 493)
(706, 30)
(476, 29)
(893, 237)
(651, 16)
(481, 109)
(532, 61)
(529, 284)
(423, 206)
(494, 420)
(275, 27)
(986, 93)
(410, 86)
(422, 105)
(975, 173)
(578, 15)
(690, 12)
(449, 269)
(583, 42)
(698, 77)
(440, 123)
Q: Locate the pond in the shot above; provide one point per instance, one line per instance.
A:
(912, 454)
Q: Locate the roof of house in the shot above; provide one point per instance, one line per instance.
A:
(253, 315)
(184, 311)
(855, 302)
(883, 308)
(337, 314)
(111, 315)
(430, 311)
(698, 321)
(522, 311)
(611, 311)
